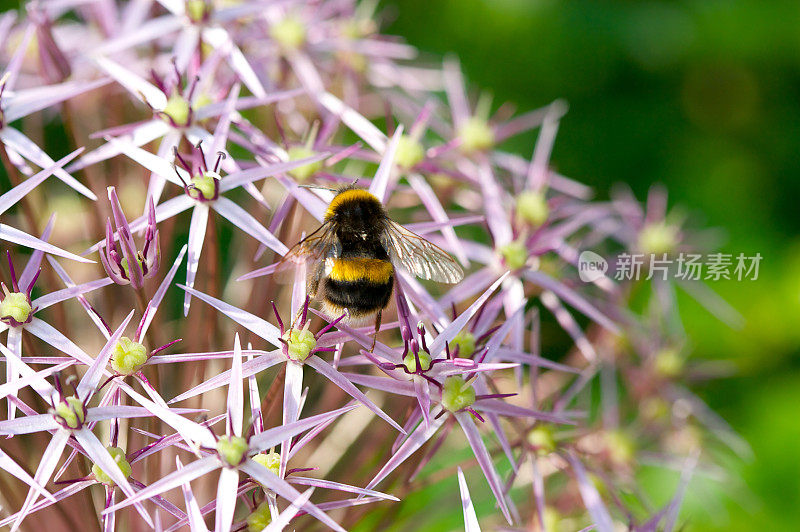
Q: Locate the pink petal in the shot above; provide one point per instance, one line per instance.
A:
(571, 297)
(49, 335)
(272, 437)
(591, 498)
(484, 460)
(355, 121)
(537, 172)
(328, 484)
(133, 83)
(380, 185)
(68, 293)
(21, 144)
(47, 465)
(415, 440)
(452, 330)
(454, 86)
(9, 234)
(88, 383)
(251, 322)
(257, 365)
(99, 455)
(28, 424)
(155, 301)
(196, 521)
(282, 488)
(226, 497)
(247, 223)
(218, 38)
(340, 380)
(192, 471)
(237, 179)
(235, 405)
(470, 518)
(283, 519)
(197, 234)
(18, 192)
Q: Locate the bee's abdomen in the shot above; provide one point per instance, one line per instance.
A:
(360, 285)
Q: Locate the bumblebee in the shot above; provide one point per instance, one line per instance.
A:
(353, 255)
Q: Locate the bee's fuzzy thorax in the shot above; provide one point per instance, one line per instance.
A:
(351, 196)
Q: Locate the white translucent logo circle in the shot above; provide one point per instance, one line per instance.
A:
(591, 266)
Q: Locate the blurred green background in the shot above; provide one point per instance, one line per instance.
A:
(703, 96)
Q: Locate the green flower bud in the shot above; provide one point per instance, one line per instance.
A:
(232, 449)
(515, 254)
(289, 33)
(259, 519)
(197, 10)
(177, 109)
(302, 173)
(119, 457)
(357, 62)
(457, 394)
(476, 135)
(128, 356)
(411, 363)
(541, 437)
(71, 412)
(201, 100)
(270, 460)
(299, 343)
(551, 519)
(409, 152)
(532, 207)
(465, 341)
(658, 238)
(620, 447)
(16, 306)
(668, 363)
(204, 186)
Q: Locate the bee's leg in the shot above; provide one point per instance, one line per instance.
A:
(377, 328)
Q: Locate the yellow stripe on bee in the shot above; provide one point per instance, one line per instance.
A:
(353, 194)
(375, 271)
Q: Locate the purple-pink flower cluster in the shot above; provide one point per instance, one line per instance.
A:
(230, 126)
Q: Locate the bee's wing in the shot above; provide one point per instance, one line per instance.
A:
(419, 256)
(312, 250)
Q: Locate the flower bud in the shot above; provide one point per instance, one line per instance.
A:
(260, 518)
(128, 356)
(457, 394)
(658, 238)
(410, 362)
(16, 309)
(232, 449)
(204, 186)
(532, 207)
(514, 254)
(198, 10)
(542, 439)
(299, 343)
(70, 413)
(410, 152)
(124, 466)
(270, 460)
(465, 341)
(303, 173)
(177, 110)
(476, 135)
(289, 33)
(668, 363)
